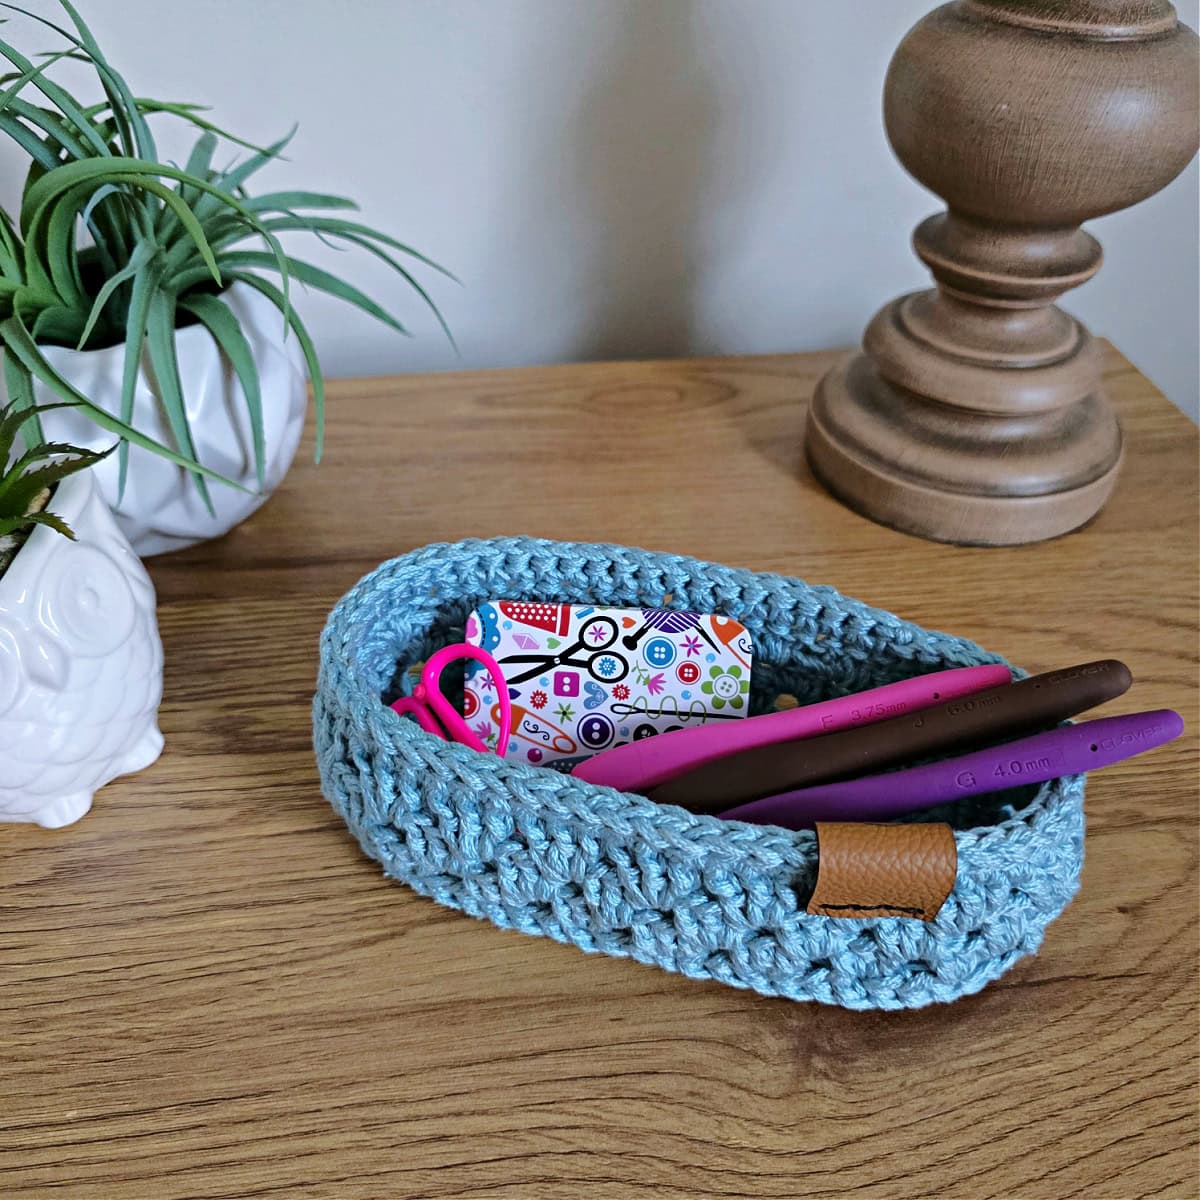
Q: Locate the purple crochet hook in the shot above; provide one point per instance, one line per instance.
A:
(1066, 750)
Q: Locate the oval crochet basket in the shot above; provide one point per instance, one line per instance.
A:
(534, 850)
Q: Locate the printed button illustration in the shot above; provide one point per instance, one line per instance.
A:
(585, 677)
(728, 686)
(660, 652)
(596, 731)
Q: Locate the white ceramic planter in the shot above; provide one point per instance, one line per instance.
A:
(161, 509)
(80, 663)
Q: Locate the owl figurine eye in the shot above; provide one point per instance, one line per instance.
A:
(86, 598)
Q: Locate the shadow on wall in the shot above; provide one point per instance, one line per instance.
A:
(643, 171)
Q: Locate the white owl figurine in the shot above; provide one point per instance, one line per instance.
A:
(80, 663)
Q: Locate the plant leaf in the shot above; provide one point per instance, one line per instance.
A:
(284, 201)
(337, 225)
(57, 324)
(146, 176)
(227, 332)
(111, 237)
(26, 77)
(17, 339)
(18, 490)
(115, 88)
(135, 172)
(10, 253)
(229, 181)
(143, 252)
(58, 250)
(292, 321)
(28, 141)
(14, 414)
(12, 417)
(101, 194)
(135, 134)
(145, 283)
(199, 162)
(187, 112)
(59, 97)
(361, 235)
(61, 189)
(59, 135)
(46, 450)
(12, 524)
(160, 340)
(19, 385)
(317, 278)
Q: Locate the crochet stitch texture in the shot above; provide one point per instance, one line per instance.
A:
(534, 850)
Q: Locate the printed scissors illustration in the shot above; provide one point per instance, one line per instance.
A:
(591, 651)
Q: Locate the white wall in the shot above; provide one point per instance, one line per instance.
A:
(613, 178)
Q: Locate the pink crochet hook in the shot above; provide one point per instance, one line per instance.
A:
(642, 765)
(429, 705)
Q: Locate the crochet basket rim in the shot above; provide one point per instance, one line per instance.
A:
(396, 784)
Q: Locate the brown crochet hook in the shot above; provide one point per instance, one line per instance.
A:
(1010, 710)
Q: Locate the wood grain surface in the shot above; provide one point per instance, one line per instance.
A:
(206, 990)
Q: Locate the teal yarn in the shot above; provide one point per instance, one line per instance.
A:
(534, 850)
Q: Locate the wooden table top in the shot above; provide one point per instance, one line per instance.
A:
(206, 990)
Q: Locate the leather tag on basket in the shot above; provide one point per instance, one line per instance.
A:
(867, 870)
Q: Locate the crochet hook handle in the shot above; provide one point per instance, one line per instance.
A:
(997, 714)
(644, 764)
(1064, 751)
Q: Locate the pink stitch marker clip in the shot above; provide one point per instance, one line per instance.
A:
(429, 705)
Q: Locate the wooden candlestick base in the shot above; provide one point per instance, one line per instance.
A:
(854, 407)
(973, 440)
(975, 413)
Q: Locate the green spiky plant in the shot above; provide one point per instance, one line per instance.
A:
(112, 245)
(28, 480)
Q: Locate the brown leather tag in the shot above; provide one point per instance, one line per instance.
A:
(868, 870)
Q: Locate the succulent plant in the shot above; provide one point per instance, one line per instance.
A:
(28, 476)
(113, 245)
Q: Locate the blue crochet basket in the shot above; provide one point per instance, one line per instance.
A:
(534, 850)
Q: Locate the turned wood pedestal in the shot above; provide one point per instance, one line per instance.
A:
(975, 413)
